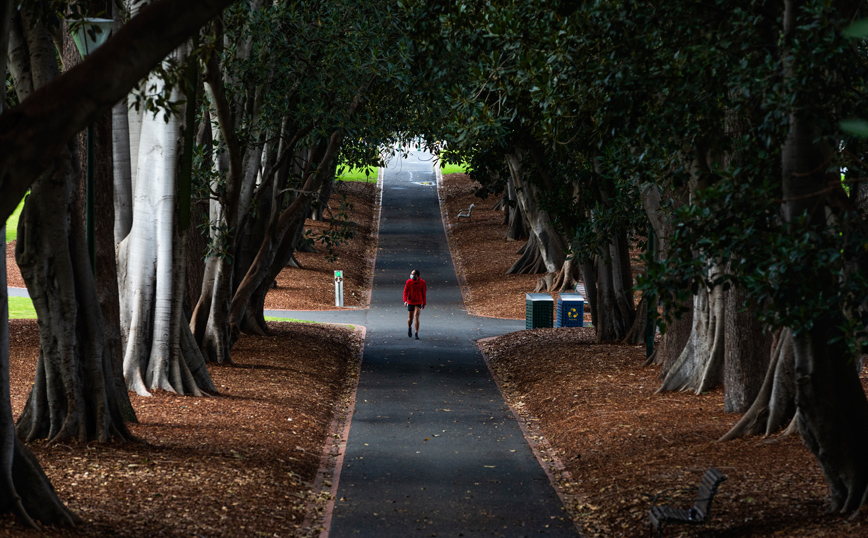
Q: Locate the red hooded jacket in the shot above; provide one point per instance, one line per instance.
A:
(415, 292)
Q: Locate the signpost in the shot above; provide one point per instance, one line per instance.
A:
(339, 288)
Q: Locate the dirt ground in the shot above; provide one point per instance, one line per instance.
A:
(236, 465)
(612, 442)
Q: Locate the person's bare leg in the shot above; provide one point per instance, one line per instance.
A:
(417, 311)
(410, 321)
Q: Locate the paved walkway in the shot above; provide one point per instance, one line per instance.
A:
(433, 449)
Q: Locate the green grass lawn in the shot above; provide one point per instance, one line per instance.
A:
(454, 169)
(275, 318)
(293, 320)
(368, 175)
(21, 308)
(12, 224)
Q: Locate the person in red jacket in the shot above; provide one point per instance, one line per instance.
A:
(415, 294)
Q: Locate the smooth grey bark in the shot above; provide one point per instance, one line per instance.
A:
(699, 366)
(264, 263)
(564, 280)
(122, 165)
(252, 321)
(279, 242)
(152, 260)
(530, 259)
(210, 321)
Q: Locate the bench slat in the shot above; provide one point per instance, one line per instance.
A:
(701, 511)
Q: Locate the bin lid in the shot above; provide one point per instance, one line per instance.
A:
(538, 297)
(572, 296)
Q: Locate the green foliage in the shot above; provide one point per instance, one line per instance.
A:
(855, 127)
(605, 97)
(857, 30)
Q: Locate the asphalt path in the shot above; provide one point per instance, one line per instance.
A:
(433, 449)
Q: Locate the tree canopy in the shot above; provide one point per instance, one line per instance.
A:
(730, 130)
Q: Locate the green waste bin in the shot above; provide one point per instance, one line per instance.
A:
(538, 310)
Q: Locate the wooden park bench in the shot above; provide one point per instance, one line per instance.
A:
(701, 511)
(465, 214)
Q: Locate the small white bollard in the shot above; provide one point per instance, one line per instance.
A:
(339, 288)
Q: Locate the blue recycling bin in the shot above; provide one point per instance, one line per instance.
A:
(571, 310)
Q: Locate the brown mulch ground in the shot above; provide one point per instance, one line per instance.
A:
(594, 407)
(312, 286)
(234, 465)
(487, 289)
(13, 275)
(239, 464)
(243, 463)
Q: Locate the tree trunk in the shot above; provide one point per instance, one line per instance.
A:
(152, 260)
(210, 321)
(746, 357)
(253, 319)
(277, 248)
(549, 242)
(74, 394)
(622, 279)
(775, 402)
(832, 414)
(25, 491)
(699, 367)
(37, 130)
(589, 278)
(105, 225)
(514, 218)
(197, 237)
(531, 260)
(121, 163)
(609, 323)
(106, 260)
(322, 201)
(832, 407)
